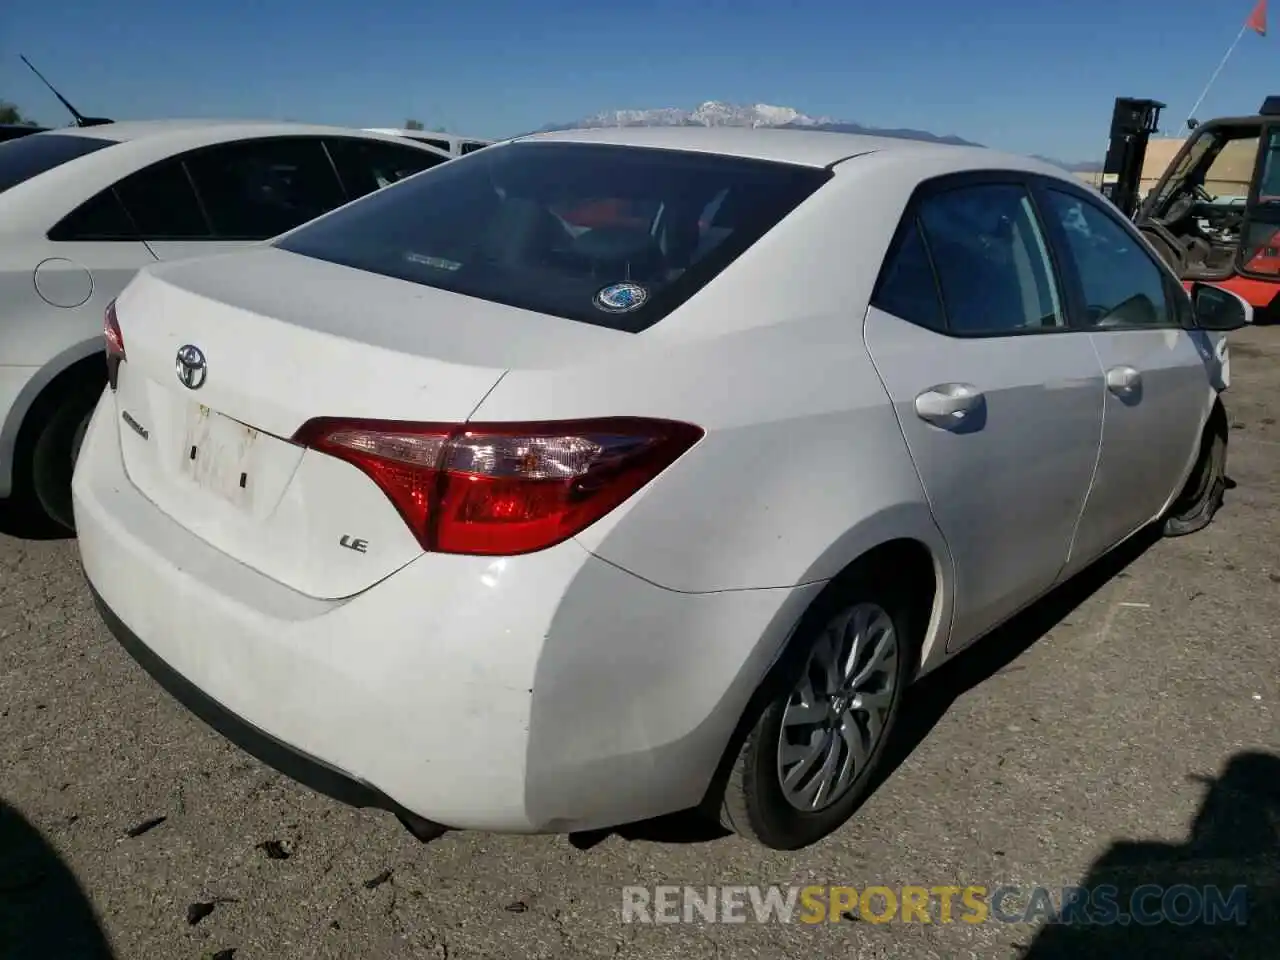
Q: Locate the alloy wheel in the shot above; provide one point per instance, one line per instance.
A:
(837, 711)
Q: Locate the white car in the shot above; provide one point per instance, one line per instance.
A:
(450, 143)
(605, 474)
(82, 209)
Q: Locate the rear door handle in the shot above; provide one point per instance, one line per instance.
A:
(948, 404)
(1123, 379)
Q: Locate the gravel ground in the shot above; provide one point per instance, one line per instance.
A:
(1125, 731)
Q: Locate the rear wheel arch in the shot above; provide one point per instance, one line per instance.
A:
(902, 564)
(84, 373)
(74, 380)
(902, 574)
(905, 540)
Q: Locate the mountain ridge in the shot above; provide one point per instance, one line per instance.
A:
(716, 113)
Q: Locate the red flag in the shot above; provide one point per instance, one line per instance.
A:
(1257, 21)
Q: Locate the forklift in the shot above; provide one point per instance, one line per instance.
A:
(1214, 214)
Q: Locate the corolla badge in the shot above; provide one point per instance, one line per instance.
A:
(621, 298)
(191, 367)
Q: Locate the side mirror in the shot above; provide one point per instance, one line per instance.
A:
(1218, 309)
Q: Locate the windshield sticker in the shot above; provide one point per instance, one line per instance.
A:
(621, 298)
(436, 262)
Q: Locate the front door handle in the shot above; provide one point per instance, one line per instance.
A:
(1123, 380)
(948, 404)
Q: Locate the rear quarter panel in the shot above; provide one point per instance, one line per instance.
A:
(52, 297)
(803, 467)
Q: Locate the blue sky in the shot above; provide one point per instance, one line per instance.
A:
(1034, 77)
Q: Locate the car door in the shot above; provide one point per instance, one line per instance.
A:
(998, 397)
(1159, 377)
(235, 194)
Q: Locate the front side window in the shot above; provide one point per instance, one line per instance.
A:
(38, 153)
(991, 260)
(257, 189)
(1122, 284)
(609, 235)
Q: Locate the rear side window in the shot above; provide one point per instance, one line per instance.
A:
(163, 203)
(30, 156)
(608, 235)
(908, 287)
(369, 165)
(256, 189)
(101, 217)
(991, 259)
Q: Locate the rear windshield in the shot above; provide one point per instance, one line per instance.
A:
(609, 235)
(26, 157)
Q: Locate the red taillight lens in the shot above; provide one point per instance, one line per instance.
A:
(503, 489)
(114, 340)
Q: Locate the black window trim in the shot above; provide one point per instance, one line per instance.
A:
(1065, 288)
(1040, 185)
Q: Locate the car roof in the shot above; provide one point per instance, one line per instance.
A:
(811, 148)
(199, 128)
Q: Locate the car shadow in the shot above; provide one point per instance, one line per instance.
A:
(928, 700)
(1234, 843)
(23, 523)
(44, 912)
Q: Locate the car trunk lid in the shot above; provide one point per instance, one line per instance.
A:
(227, 357)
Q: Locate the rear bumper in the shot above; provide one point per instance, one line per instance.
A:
(307, 770)
(550, 692)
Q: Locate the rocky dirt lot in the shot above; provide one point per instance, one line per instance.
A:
(1124, 731)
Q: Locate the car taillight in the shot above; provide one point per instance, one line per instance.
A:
(114, 343)
(501, 489)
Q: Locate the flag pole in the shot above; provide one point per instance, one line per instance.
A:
(1227, 56)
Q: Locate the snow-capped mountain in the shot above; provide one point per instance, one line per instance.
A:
(714, 113)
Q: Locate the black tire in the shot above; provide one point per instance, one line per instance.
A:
(748, 797)
(1201, 498)
(54, 452)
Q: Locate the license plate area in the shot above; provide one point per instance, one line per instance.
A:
(218, 455)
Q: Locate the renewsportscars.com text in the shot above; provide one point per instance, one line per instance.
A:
(1147, 905)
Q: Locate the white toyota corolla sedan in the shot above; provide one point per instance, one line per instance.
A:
(603, 474)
